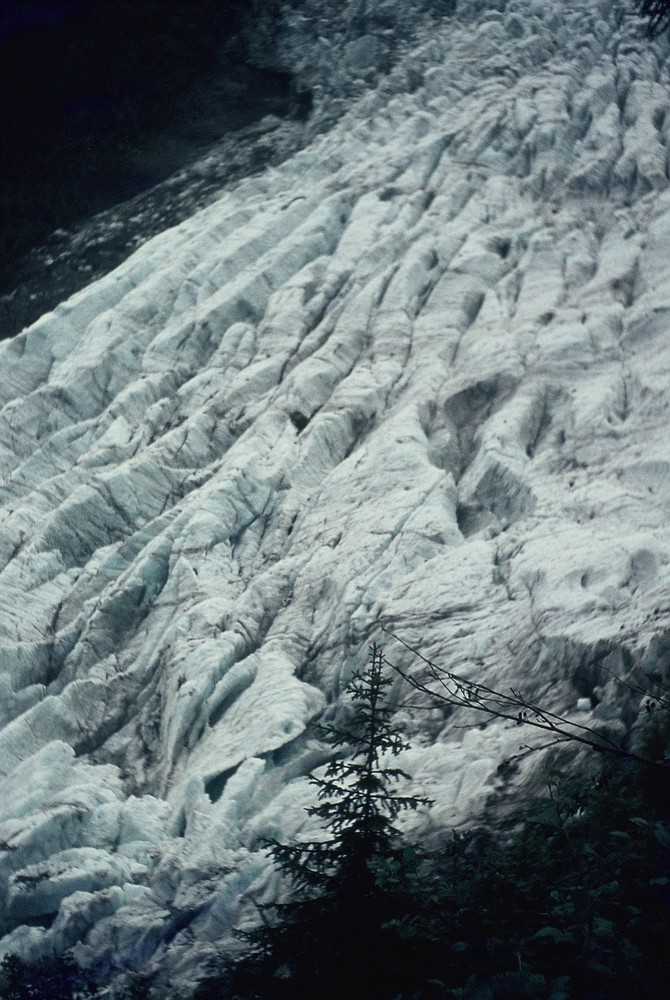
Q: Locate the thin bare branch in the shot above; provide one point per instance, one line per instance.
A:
(462, 692)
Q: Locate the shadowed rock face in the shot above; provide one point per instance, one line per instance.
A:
(100, 102)
(415, 375)
(154, 108)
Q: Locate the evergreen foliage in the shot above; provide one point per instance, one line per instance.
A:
(346, 931)
(51, 979)
(573, 905)
(357, 804)
(570, 901)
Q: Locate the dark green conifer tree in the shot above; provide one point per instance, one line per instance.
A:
(50, 979)
(338, 937)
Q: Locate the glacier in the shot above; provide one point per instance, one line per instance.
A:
(415, 377)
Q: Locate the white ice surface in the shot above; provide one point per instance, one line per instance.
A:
(419, 376)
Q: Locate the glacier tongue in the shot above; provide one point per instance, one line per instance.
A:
(416, 376)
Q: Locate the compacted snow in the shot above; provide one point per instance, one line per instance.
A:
(416, 377)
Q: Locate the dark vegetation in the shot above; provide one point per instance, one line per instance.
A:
(102, 99)
(567, 900)
(338, 937)
(59, 978)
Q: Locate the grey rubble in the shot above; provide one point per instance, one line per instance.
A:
(417, 375)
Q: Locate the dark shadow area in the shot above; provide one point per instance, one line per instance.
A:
(101, 100)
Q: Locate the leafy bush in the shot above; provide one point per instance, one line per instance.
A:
(577, 899)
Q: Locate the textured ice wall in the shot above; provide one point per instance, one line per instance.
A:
(417, 376)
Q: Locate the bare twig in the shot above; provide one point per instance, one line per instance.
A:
(449, 688)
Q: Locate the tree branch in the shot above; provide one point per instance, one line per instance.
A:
(461, 692)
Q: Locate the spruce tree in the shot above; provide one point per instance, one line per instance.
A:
(336, 938)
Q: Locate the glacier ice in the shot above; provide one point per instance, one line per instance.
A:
(416, 376)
